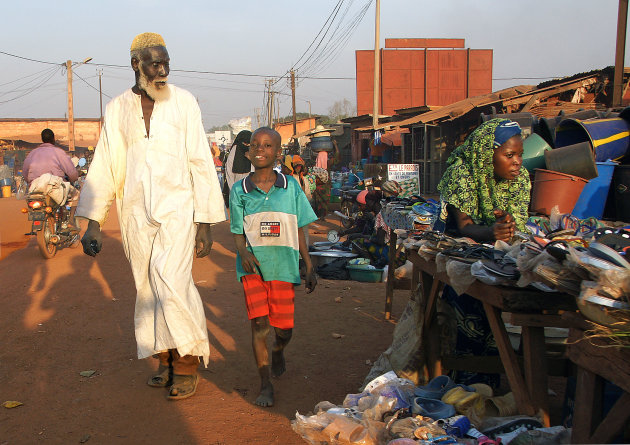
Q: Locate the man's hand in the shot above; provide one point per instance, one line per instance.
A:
(311, 280)
(203, 240)
(92, 239)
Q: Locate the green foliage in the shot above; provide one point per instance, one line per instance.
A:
(220, 128)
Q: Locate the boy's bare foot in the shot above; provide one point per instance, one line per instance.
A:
(265, 398)
(278, 365)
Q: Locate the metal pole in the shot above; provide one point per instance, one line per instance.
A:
(70, 111)
(309, 108)
(100, 100)
(622, 19)
(376, 64)
(269, 104)
(293, 102)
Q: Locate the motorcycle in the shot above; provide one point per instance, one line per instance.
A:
(51, 222)
(349, 206)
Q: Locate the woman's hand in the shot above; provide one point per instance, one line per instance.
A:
(504, 227)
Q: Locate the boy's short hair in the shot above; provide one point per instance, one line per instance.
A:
(271, 131)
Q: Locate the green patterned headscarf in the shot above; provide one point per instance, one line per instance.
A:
(469, 183)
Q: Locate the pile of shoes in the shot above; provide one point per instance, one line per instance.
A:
(392, 411)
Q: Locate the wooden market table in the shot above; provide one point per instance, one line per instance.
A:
(531, 309)
(597, 359)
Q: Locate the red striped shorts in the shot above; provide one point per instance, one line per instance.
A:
(269, 298)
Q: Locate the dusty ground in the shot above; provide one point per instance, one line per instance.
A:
(74, 313)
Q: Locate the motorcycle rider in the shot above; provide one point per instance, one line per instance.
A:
(47, 158)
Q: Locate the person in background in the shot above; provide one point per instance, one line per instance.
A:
(47, 158)
(236, 165)
(321, 195)
(286, 167)
(154, 161)
(301, 176)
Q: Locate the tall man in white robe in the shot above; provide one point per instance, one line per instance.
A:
(153, 159)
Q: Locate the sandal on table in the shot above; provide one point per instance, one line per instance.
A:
(183, 386)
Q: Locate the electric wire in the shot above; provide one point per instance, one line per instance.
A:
(92, 86)
(33, 88)
(338, 5)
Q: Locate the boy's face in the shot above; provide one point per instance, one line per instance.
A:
(264, 150)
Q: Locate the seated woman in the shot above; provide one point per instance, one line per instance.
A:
(485, 196)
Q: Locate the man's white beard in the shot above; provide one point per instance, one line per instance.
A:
(152, 91)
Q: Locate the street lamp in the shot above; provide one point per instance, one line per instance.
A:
(69, 66)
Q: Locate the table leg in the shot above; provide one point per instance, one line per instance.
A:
(431, 332)
(415, 279)
(510, 363)
(614, 422)
(587, 405)
(535, 364)
(389, 287)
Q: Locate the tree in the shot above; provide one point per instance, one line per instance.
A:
(220, 128)
(340, 110)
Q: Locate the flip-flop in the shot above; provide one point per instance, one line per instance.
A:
(436, 388)
(432, 408)
(162, 379)
(183, 386)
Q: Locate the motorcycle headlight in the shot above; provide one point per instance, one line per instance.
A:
(35, 205)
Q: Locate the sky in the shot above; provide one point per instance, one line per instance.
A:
(535, 39)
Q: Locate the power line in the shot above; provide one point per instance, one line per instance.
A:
(29, 59)
(314, 39)
(24, 86)
(34, 88)
(25, 77)
(90, 85)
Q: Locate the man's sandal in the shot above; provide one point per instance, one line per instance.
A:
(163, 378)
(183, 387)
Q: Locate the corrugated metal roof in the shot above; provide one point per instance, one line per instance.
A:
(456, 109)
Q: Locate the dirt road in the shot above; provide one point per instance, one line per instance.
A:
(74, 313)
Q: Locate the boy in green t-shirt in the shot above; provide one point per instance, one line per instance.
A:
(268, 214)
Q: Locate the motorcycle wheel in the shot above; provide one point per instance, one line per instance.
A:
(346, 209)
(47, 248)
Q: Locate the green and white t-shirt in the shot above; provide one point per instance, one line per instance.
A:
(270, 223)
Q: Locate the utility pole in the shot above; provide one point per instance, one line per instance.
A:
(70, 108)
(622, 19)
(309, 108)
(100, 95)
(293, 102)
(269, 105)
(257, 111)
(377, 64)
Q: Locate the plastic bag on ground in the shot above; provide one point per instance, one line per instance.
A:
(404, 355)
